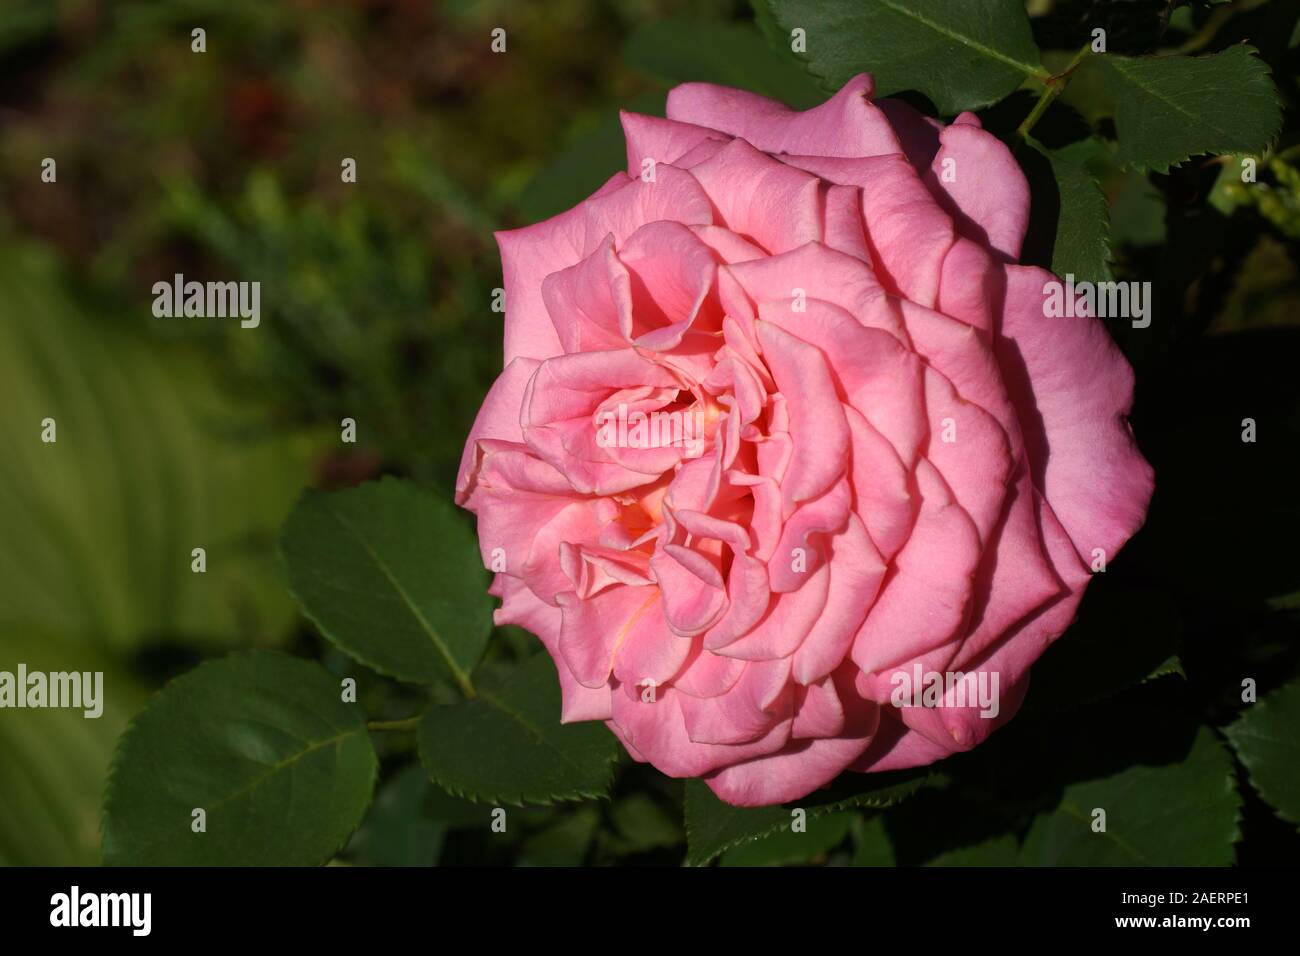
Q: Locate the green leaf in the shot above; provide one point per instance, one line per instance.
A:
(264, 745)
(55, 761)
(1172, 666)
(1138, 213)
(1002, 850)
(454, 813)
(398, 830)
(507, 745)
(563, 843)
(732, 54)
(1170, 108)
(778, 41)
(1085, 93)
(786, 846)
(963, 56)
(151, 460)
(390, 573)
(642, 824)
(1182, 813)
(714, 827)
(1264, 737)
(871, 844)
(1082, 243)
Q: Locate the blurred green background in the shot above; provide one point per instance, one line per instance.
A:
(376, 306)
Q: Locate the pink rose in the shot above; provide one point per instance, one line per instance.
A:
(784, 437)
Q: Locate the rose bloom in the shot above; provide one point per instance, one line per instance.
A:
(881, 460)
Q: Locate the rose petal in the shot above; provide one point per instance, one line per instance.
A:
(848, 124)
(530, 254)
(773, 204)
(519, 606)
(934, 572)
(981, 186)
(1073, 389)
